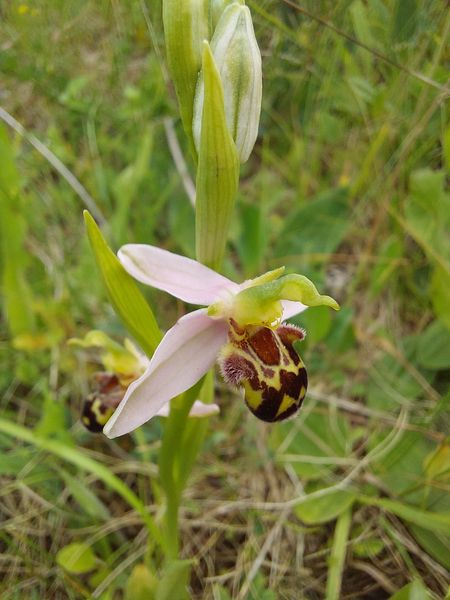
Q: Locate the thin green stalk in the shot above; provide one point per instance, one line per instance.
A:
(338, 552)
(170, 458)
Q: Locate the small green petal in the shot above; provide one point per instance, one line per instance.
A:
(266, 277)
(115, 358)
(300, 289)
(261, 304)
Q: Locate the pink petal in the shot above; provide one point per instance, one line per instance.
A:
(182, 277)
(290, 308)
(199, 409)
(186, 352)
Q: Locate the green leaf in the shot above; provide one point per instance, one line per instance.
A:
(434, 347)
(362, 23)
(317, 228)
(53, 422)
(317, 324)
(338, 554)
(217, 173)
(388, 263)
(182, 225)
(174, 580)
(390, 384)
(439, 523)
(413, 591)
(368, 547)
(402, 468)
(86, 499)
(341, 336)
(440, 294)
(127, 184)
(123, 293)
(435, 544)
(259, 589)
(252, 242)
(437, 463)
(15, 460)
(427, 220)
(326, 508)
(141, 584)
(446, 147)
(406, 17)
(17, 297)
(312, 452)
(76, 558)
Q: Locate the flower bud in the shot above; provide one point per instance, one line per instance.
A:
(186, 25)
(238, 61)
(216, 8)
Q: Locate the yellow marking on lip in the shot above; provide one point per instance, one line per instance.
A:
(286, 403)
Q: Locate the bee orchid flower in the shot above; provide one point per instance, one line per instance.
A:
(241, 326)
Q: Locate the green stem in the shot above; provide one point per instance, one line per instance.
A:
(170, 458)
(338, 552)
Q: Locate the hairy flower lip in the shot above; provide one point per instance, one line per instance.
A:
(189, 349)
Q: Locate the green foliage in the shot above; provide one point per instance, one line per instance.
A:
(123, 293)
(17, 298)
(427, 214)
(127, 185)
(413, 591)
(173, 582)
(141, 584)
(327, 508)
(77, 558)
(337, 556)
(434, 347)
(316, 228)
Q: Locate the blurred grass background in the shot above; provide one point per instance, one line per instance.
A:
(346, 185)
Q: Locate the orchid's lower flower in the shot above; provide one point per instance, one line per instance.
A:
(242, 327)
(123, 364)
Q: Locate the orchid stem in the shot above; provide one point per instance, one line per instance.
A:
(170, 459)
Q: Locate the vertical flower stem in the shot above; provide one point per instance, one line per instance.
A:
(338, 553)
(170, 459)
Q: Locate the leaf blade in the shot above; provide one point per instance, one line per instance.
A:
(123, 293)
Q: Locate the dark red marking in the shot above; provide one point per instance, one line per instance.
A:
(106, 382)
(236, 328)
(264, 344)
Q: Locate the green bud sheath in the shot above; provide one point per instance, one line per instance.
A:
(238, 60)
(186, 25)
(216, 8)
(217, 173)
